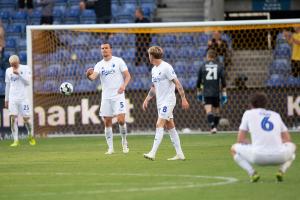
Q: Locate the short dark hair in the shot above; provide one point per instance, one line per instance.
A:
(259, 100)
(107, 42)
(211, 53)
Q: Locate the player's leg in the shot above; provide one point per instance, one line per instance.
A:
(28, 126)
(14, 130)
(170, 126)
(210, 117)
(13, 113)
(289, 150)
(120, 110)
(242, 155)
(123, 132)
(158, 138)
(106, 112)
(109, 134)
(216, 111)
(24, 109)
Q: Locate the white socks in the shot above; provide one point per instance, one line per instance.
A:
(14, 128)
(157, 140)
(123, 132)
(243, 163)
(109, 137)
(175, 141)
(287, 164)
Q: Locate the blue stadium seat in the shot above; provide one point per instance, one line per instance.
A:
(117, 39)
(202, 39)
(129, 54)
(186, 39)
(180, 69)
(276, 80)
(200, 52)
(23, 57)
(168, 40)
(169, 52)
(7, 54)
(14, 30)
(53, 70)
(10, 44)
(20, 17)
(283, 51)
(61, 2)
(94, 54)
(280, 66)
(35, 17)
(293, 81)
(4, 16)
(88, 16)
(22, 44)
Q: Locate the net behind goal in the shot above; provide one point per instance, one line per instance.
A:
(256, 55)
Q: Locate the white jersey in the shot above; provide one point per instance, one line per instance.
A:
(111, 76)
(162, 77)
(265, 127)
(18, 84)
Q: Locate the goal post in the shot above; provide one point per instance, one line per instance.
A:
(257, 58)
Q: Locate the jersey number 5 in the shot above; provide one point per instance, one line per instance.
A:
(211, 73)
(266, 124)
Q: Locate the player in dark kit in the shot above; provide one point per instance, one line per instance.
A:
(211, 80)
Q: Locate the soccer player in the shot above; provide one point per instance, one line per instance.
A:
(114, 78)
(17, 79)
(211, 80)
(164, 82)
(270, 141)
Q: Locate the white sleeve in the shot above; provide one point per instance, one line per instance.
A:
(244, 123)
(122, 65)
(97, 68)
(170, 73)
(7, 87)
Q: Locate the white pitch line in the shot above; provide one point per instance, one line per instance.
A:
(224, 181)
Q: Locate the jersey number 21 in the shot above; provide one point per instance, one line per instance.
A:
(211, 73)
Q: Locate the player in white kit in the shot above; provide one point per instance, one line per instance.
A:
(270, 141)
(17, 79)
(114, 76)
(164, 82)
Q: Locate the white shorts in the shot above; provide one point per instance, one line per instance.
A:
(112, 107)
(166, 111)
(19, 107)
(255, 156)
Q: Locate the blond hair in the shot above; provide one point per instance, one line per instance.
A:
(14, 59)
(156, 51)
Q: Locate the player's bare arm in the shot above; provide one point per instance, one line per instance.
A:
(127, 78)
(184, 102)
(242, 137)
(150, 95)
(286, 137)
(91, 74)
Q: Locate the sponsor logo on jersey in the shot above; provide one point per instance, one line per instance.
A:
(107, 72)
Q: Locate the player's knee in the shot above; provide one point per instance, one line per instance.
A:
(26, 119)
(107, 122)
(232, 149)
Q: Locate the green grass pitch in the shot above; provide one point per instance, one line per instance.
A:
(76, 169)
